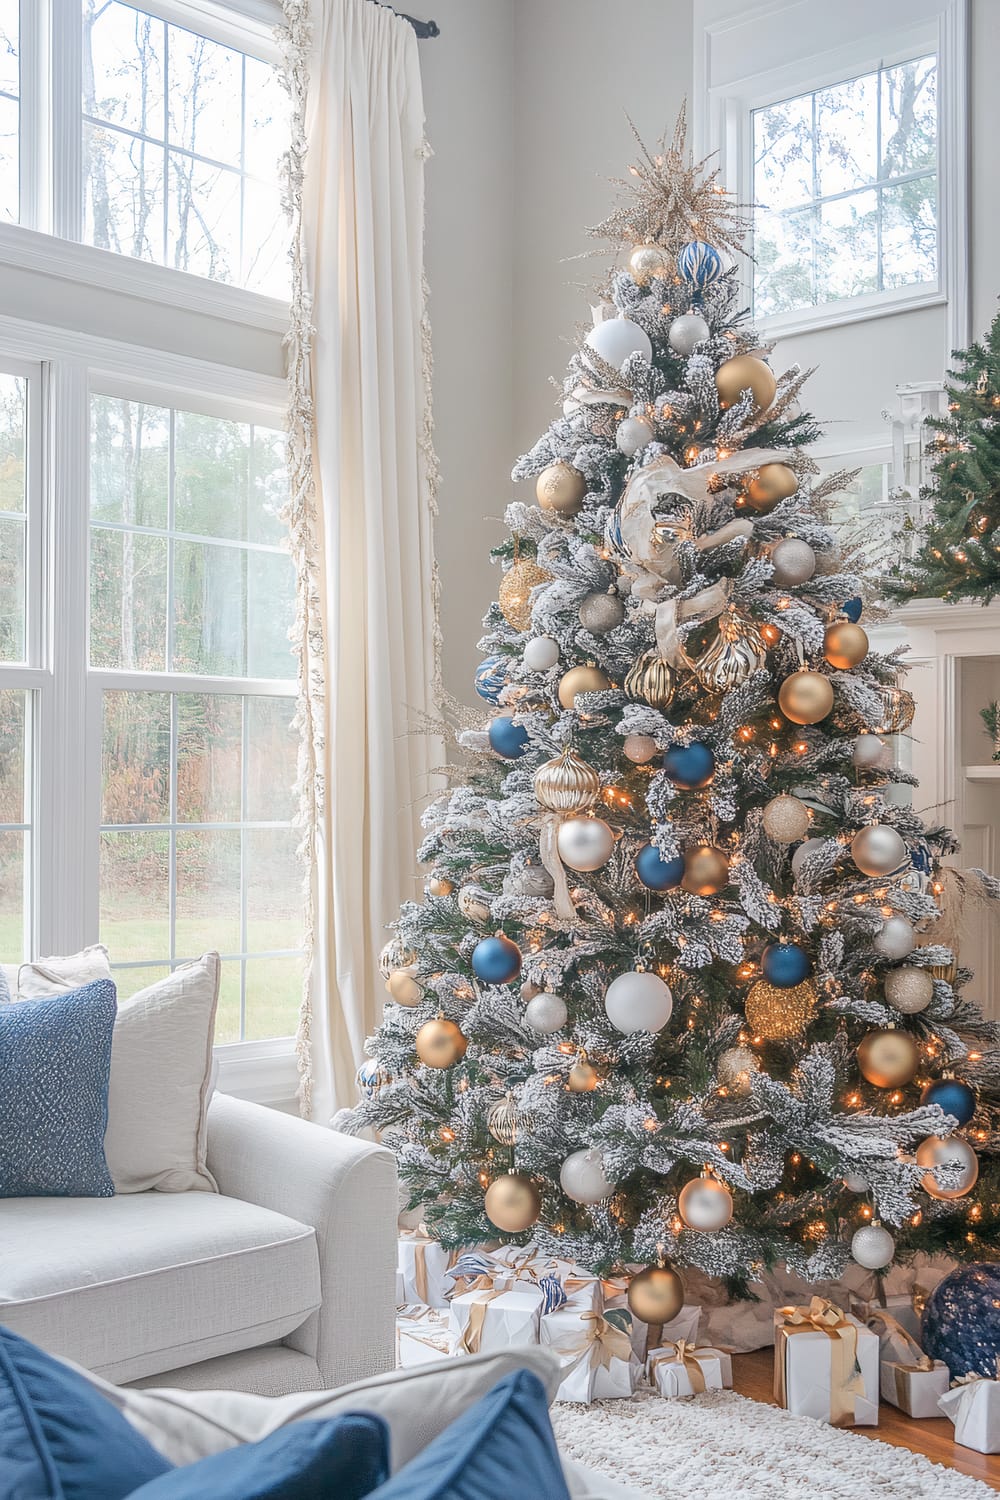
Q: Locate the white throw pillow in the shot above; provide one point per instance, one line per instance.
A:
(53, 976)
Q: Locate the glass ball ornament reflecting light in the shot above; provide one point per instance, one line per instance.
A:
(403, 988)
(631, 434)
(395, 955)
(690, 767)
(685, 332)
(699, 264)
(587, 679)
(582, 1176)
(646, 262)
(560, 489)
(512, 1203)
(705, 1204)
(507, 1122)
(954, 1097)
(805, 697)
(639, 1001)
(440, 1043)
(869, 752)
(566, 784)
(541, 653)
(582, 1077)
(774, 483)
(496, 960)
(878, 849)
(585, 844)
(656, 1294)
(952, 1150)
(785, 965)
(745, 373)
(651, 679)
(491, 678)
(706, 870)
(508, 739)
(888, 1059)
(845, 645)
(872, 1246)
(546, 1013)
(960, 1324)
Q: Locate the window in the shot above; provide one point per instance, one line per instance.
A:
(845, 180)
(10, 108)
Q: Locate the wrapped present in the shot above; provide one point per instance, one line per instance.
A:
(579, 1288)
(595, 1353)
(826, 1365)
(423, 1263)
(895, 1342)
(905, 1307)
(915, 1388)
(680, 1369)
(475, 1269)
(421, 1336)
(973, 1404)
(488, 1318)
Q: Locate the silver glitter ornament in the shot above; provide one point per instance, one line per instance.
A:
(794, 562)
(909, 989)
(872, 1246)
(601, 613)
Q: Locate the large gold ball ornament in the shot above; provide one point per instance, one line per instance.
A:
(805, 697)
(651, 680)
(440, 1043)
(403, 988)
(582, 1077)
(439, 885)
(741, 373)
(566, 784)
(888, 1059)
(512, 1203)
(844, 645)
(774, 483)
(506, 1121)
(656, 1295)
(877, 849)
(514, 593)
(779, 1015)
(952, 1150)
(589, 679)
(560, 489)
(898, 709)
(786, 819)
(395, 955)
(647, 261)
(706, 871)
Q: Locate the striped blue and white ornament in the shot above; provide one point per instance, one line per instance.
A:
(371, 1077)
(613, 537)
(699, 263)
(491, 678)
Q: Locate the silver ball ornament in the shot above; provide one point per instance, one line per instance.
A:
(869, 753)
(638, 1001)
(541, 653)
(794, 562)
(687, 331)
(582, 1177)
(803, 852)
(631, 434)
(786, 819)
(872, 1246)
(895, 939)
(735, 1070)
(909, 989)
(878, 849)
(585, 844)
(601, 613)
(705, 1204)
(546, 1013)
(640, 748)
(617, 339)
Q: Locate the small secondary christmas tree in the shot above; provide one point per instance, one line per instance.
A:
(959, 556)
(667, 1000)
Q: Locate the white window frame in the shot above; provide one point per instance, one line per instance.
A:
(769, 41)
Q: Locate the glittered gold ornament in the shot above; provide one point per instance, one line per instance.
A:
(651, 680)
(403, 988)
(735, 654)
(779, 1015)
(888, 1059)
(897, 710)
(735, 1071)
(512, 1203)
(589, 679)
(844, 645)
(583, 1077)
(805, 697)
(566, 784)
(560, 489)
(706, 871)
(744, 372)
(395, 955)
(952, 1150)
(506, 1121)
(656, 1295)
(438, 885)
(786, 819)
(514, 594)
(440, 1043)
(774, 483)
(647, 261)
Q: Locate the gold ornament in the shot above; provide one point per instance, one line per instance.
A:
(888, 1059)
(706, 871)
(403, 988)
(656, 1295)
(567, 784)
(774, 483)
(805, 697)
(583, 1077)
(395, 955)
(506, 1121)
(898, 709)
(589, 679)
(780, 1015)
(705, 1204)
(786, 820)
(560, 489)
(935, 1151)
(736, 1068)
(473, 903)
(651, 680)
(733, 656)
(440, 1043)
(744, 372)
(512, 1203)
(844, 645)
(647, 261)
(439, 886)
(514, 594)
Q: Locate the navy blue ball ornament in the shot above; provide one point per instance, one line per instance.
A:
(657, 873)
(852, 609)
(960, 1324)
(689, 766)
(496, 960)
(699, 264)
(785, 965)
(953, 1096)
(491, 678)
(507, 738)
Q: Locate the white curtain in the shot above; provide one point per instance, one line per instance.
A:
(361, 510)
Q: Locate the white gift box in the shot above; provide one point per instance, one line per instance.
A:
(975, 1410)
(595, 1353)
(680, 1370)
(684, 1326)
(400, 1289)
(901, 1307)
(486, 1320)
(582, 1289)
(814, 1373)
(421, 1336)
(914, 1391)
(423, 1264)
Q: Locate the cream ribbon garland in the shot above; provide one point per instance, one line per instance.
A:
(672, 613)
(548, 853)
(824, 1317)
(685, 1353)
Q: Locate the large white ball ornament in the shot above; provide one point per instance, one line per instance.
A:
(873, 1247)
(895, 939)
(640, 748)
(705, 1204)
(685, 332)
(869, 753)
(546, 1013)
(582, 1177)
(878, 849)
(632, 434)
(638, 1002)
(909, 989)
(617, 338)
(803, 852)
(585, 844)
(541, 653)
(794, 562)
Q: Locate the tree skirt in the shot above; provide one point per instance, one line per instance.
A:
(721, 1446)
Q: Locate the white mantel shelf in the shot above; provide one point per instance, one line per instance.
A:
(983, 773)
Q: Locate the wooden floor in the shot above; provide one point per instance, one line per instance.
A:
(753, 1374)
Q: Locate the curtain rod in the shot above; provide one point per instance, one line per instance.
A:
(425, 30)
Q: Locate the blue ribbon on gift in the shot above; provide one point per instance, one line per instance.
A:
(553, 1293)
(473, 1263)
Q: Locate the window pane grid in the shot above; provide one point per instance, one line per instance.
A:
(16, 713)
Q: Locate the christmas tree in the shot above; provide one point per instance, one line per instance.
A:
(669, 999)
(959, 554)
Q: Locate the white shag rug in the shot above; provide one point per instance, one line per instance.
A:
(721, 1446)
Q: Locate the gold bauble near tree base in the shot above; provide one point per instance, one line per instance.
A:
(774, 483)
(440, 1043)
(566, 784)
(403, 988)
(805, 697)
(646, 262)
(706, 871)
(583, 1077)
(651, 680)
(780, 1015)
(844, 645)
(656, 1295)
(744, 372)
(512, 1203)
(514, 593)
(589, 679)
(560, 489)
(888, 1059)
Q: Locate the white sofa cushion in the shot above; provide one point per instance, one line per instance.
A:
(143, 1283)
(52, 976)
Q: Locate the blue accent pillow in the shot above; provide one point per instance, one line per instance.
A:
(342, 1458)
(504, 1445)
(59, 1438)
(55, 1063)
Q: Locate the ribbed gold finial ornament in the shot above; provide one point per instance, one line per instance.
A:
(898, 709)
(651, 680)
(566, 784)
(735, 654)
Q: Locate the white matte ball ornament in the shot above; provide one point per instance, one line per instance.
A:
(855, 1183)
(786, 819)
(632, 434)
(878, 849)
(541, 653)
(686, 331)
(909, 989)
(546, 1013)
(895, 939)
(873, 1246)
(640, 748)
(803, 852)
(794, 562)
(638, 1002)
(582, 1177)
(705, 1204)
(585, 844)
(869, 752)
(617, 338)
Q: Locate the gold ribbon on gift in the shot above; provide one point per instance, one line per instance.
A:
(685, 1353)
(920, 1295)
(473, 1335)
(599, 1343)
(824, 1317)
(420, 1238)
(885, 1325)
(438, 1341)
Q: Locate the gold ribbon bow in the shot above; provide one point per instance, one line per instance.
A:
(600, 1343)
(473, 1335)
(685, 1353)
(885, 1325)
(920, 1295)
(824, 1317)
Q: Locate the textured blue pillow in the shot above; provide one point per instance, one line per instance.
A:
(59, 1438)
(55, 1062)
(504, 1445)
(342, 1458)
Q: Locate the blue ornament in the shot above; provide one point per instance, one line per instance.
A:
(657, 873)
(496, 960)
(507, 738)
(613, 536)
(953, 1096)
(689, 766)
(700, 264)
(785, 965)
(960, 1324)
(371, 1077)
(852, 609)
(491, 678)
